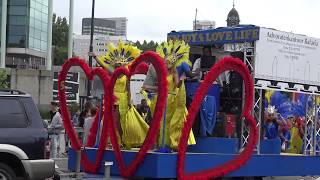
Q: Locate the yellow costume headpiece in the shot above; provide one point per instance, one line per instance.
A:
(175, 52)
(122, 54)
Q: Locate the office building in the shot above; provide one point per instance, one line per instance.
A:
(105, 26)
(82, 42)
(121, 25)
(26, 33)
(101, 27)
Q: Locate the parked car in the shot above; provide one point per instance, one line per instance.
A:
(24, 144)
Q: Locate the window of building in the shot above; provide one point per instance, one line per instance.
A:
(37, 15)
(18, 2)
(31, 45)
(12, 114)
(18, 10)
(43, 45)
(33, 4)
(37, 44)
(18, 20)
(44, 36)
(16, 41)
(38, 6)
(44, 9)
(44, 27)
(37, 34)
(17, 30)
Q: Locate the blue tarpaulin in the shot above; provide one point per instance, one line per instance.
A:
(208, 114)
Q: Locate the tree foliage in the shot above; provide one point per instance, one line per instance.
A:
(146, 46)
(3, 79)
(60, 28)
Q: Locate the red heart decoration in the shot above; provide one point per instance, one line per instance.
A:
(150, 140)
(225, 64)
(75, 143)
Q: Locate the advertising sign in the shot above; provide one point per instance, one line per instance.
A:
(218, 36)
(71, 86)
(287, 57)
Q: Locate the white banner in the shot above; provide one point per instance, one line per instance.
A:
(233, 47)
(287, 57)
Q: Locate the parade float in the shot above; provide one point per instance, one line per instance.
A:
(272, 64)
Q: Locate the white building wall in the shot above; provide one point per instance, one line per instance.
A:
(82, 43)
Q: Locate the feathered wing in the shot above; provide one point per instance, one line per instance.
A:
(122, 54)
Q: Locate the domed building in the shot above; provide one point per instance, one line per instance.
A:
(233, 18)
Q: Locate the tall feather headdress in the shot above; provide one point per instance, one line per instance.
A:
(175, 52)
(122, 54)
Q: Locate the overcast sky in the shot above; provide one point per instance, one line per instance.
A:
(152, 20)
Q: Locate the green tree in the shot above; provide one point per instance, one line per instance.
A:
(60, 28)
(3, 79)
(146, 46)
(60, 55)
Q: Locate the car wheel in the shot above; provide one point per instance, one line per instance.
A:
(6, 172)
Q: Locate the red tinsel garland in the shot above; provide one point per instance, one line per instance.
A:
(150, 140)
(75, 143)
(225, 64)
(142, 68)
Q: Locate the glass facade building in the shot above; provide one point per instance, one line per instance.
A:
(38, 25)
(27, 33)
(0, 16)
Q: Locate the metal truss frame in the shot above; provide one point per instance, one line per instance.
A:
(249, 58)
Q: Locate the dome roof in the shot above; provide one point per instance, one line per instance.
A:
(233, 12)
(233, 18)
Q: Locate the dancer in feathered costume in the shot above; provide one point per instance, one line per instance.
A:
(271, 125)
(283, 106)
(176, 54)
(133, 128)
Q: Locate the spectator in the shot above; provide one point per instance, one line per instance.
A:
(75, 118)
(52, 112)
(197, 64)
(88, 122)
(87, 106)
(54, 129)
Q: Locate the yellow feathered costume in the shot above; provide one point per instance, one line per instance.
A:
(133, 126)
(175, 53)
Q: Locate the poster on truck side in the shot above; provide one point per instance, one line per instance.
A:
(287, 57)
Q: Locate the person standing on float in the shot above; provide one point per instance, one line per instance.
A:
(133, 128)
(175, 53)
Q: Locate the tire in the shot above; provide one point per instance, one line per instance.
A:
(56, 176)
(6, 172)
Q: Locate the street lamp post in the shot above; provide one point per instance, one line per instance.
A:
(3, 20)
(91, 46)
(70, 33)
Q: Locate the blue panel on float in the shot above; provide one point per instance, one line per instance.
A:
(163, 165)
(215, 145)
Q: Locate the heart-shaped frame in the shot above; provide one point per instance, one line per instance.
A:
(75, 143)
(150, 140)
(227, 63)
